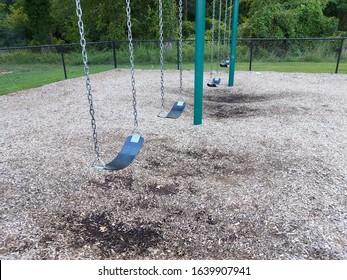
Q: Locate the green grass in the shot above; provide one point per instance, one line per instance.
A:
(305, 67)
(16, 78)
(26, 76)
(20, 77)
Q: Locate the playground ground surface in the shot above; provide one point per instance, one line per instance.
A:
(264, 177)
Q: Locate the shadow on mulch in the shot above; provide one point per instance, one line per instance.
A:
(223, 97)
(222, 104)
(192, 164)
(227, 105)
(222, 111)
(113, 236)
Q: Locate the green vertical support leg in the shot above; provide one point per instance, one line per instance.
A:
(233, 42)
(199, 60)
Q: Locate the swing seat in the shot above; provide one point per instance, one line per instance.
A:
(225, 63)
(176, 110)
(127, 154)
(214, 82)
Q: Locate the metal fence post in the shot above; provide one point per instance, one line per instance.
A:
(250, 55)
(61, 49)
(339, 56)
(114, 53)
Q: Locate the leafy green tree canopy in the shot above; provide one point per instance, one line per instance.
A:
(55, 21)
(39, 20)
(338, 9)
(284, 19)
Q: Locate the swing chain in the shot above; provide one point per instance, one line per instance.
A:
(212, 39)
(219, 31)
(161, 39)
(180, 15)
(230, 19)
(225, 22)
(88, 84)
(132, 71)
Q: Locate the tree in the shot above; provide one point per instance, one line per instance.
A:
(145, 19)
(188, 10)
(106, 19)
(12, 15)
(13, 22)
(64, 21)
(49, 21)
(39, 21)
(338, 9)
(295, 18)
(103, 20)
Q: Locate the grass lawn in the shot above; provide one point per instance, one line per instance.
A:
(306, 67)
(20, 77)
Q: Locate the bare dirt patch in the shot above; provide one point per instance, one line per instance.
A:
(110, 237)
(3, 72)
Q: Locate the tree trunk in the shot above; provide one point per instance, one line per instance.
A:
(186, 10)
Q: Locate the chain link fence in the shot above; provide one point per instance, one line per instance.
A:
(309, 55)
(28, 67)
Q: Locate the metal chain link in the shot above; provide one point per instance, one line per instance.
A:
(161, 39)
(180, 16)
(212, 39)
(132, 70)
(230, 19)
(225, 28)
(83, 43)
(218, 48)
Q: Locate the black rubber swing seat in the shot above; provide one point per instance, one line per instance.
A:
(126, 155)
(224, 65)
(211, 85)
(214, 82)
(176, 110)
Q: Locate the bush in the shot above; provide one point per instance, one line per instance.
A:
(29, 56)
(188, 29)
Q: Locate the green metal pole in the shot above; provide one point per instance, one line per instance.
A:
(233, 42)
(199, 59)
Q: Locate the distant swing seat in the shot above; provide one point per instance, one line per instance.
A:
(214, 82)
(176, 110)
(179, 106)
(126, 155)
(225, 63)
